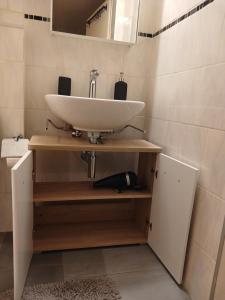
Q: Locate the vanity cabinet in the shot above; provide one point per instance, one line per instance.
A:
(73, 215)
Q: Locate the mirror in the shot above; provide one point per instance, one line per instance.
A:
(115, 20)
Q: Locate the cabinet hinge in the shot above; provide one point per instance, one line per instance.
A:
(156, 174)
(150, 226)
(33, 176)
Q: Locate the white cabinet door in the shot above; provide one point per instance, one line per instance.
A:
(22, 199)
(171, 211)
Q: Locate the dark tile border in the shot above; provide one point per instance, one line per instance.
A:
(37, 18)
(178, 20)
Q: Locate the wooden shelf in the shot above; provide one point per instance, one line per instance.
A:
(75, 191)
(81, 144)
(86, 235)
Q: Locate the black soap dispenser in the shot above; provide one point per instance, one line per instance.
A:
(120, 92)
(64, 86)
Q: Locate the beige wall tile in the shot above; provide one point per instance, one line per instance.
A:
(210, 97)
(80, 82)
(150, 15)
(220, 287)
(12, 85)
(35, 120)
(137, 57)
(156, 130)
(40, 7)
(208, 221)
(11, 122)
(181, 141)
(15, 5)
(3, 4)
(85, 55)
(136, 88)
(41, 46)
(37, 85)
(213, 163)
(174, 9)
(193, 32)
(11, 46)
(11, 18)
(194, 97)
(221, 52)
(129, 133)
(199, 274)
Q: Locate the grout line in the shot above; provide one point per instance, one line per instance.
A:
(159, 273)
(11, 25)
(218, 198)
(8, 10)
(204, 251)
(187, 124)
(191, 69)
(155, 271)
(218, 262)
(177, 20)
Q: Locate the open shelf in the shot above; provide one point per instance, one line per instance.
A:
(86, 235)
(76, 191)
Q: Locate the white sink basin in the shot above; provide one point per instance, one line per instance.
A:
(93, 114)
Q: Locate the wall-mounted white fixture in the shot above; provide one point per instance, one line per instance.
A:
(95, 116)
(12, 149)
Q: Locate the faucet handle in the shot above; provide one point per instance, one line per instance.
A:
(94, 72)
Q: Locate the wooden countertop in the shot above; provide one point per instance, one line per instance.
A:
(81, 144)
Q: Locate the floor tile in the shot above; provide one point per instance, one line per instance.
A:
(83, 263)
(47, 258)
(6, 253)
(133, 258)
(44, 274)
(136, 271)
(6, 262)
(6, 279)
(147, 286)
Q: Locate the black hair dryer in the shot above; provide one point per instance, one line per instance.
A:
(121, 181)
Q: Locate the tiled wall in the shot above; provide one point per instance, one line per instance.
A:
(186, 115)
(180, 74)
(47, 56)
(12, 92)
(219, 291)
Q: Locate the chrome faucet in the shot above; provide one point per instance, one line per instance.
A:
(92, 87)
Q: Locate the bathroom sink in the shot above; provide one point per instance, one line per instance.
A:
(93, 114)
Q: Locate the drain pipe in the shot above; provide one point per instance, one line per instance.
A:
(90, 158)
